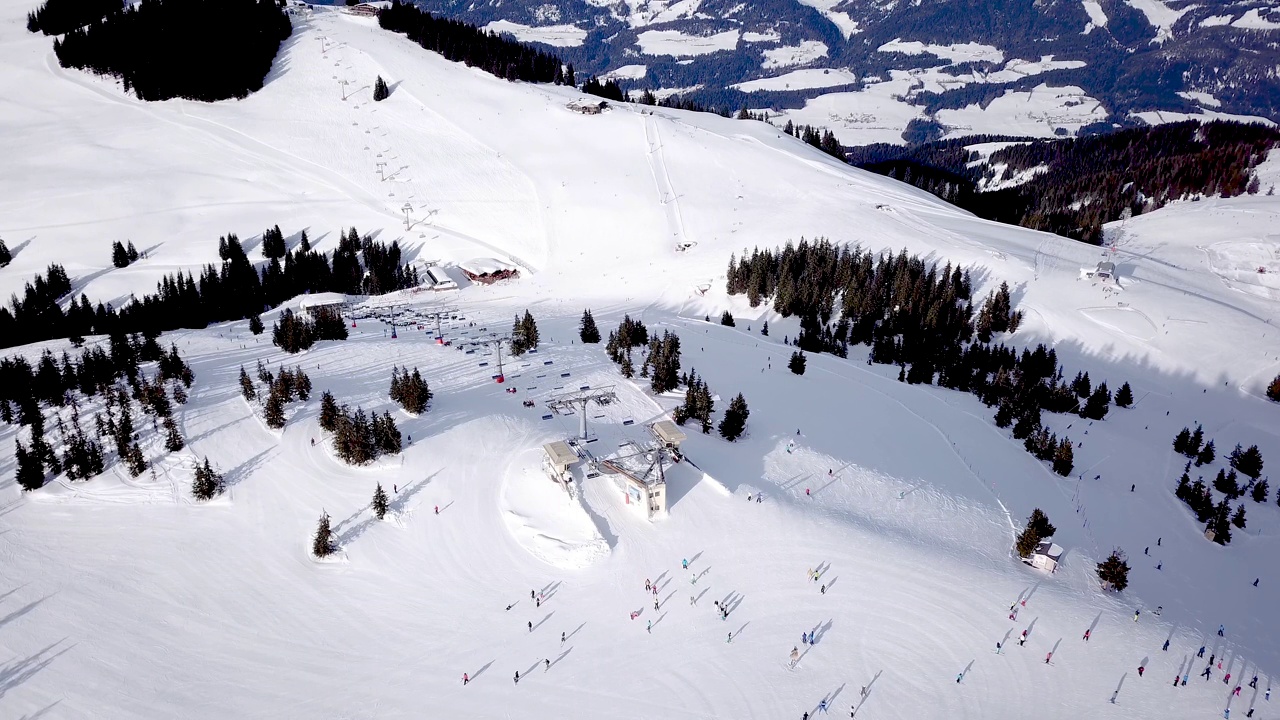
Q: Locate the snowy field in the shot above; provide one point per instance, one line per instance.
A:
(122, 598)
(678, 44)
(788, 55)
(557, 35)
(800, 79)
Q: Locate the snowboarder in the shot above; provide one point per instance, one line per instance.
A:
(465, 678)
(633, 614)
(1141, 669)
(1087, 633)
(1249, 714)
(1159, 566)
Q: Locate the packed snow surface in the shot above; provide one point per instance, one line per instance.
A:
(122, 597)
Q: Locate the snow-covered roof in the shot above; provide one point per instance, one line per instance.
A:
(1106, 267)
(560, 453)
(485, 266)
(1049, 549)
(668, 432)
(322, 299)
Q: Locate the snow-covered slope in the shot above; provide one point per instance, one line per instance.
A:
(122, 598)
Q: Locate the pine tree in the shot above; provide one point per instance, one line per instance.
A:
(134, 461)
(207, 483)
(797, 362)
(328, 412)
(246, 386)
(1004, 414)
(1063, 458)
(1248, 462)
(1037, 529)
(1114, 571)
(1221, 523)
(735, 419)
(1080, 386)
(380, 504)
(131, 252)
(587, 330)
(1124, 397)
(627, 370)
(179, 393)
(380, 91)
(1273, 390)
(1182, 440)
(119, 256)
(273, 413)
(1194, 444)
(6, 256)
(1206, 454)
(764, 329)
(173, 441)
(322, 544)
(1260, 490)
(1226, 484)
(1095, 408)
(30, 472)
(1238, 518)
(255, 324)
(726, 318)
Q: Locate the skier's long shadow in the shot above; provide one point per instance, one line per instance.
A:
(866, 694)
(575, 632)
(532, 667)
(1094, 625)
(660, 577)
(543, 620)
(655, 622)
(704, 592)
(694, 559)
(821, 630)
(561, 657)
(833, 582)
(1031, 628)
(480, 672)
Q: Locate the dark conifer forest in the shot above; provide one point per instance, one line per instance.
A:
(55, 17)
(224, 49)
(924, 319)
(234, 290)
(462, 42)
(1088, 181)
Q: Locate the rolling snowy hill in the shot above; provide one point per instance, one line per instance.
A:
(123, 597)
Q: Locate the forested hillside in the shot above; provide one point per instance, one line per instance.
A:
(1073, 186)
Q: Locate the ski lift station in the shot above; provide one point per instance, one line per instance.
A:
(437, 279)
(557, 461)
(1105, 272)
(1045, 556)
(669, 434)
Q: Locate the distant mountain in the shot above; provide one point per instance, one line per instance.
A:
(935, 69)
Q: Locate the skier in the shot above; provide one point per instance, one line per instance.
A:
(1166, 646)
(822, 705)
(1222, 629)
(510, 606)
(1237, 691)
(1211, 657)
(1249, 714)
(693, 600)
(1254, 682)
(465, 678)
(313, 442)
(823, 589)
(655, 605)
(1136, 613)
(730, 638)
(1255, 581)
(517, 677)
(760, 499)
(530, 626)
(811, 641)
(1132, 487)
(1086, 635)
(647, 586)
(1175, 679)
(538, 603)
(1113, 696)
(532, 594)
(693, 580)
(997, 647)
(1205, 674)
(685, 563)
(1201, 653)
(1048, 657)
(1141, 669)
(795, 656)
(1268, 693)
(562, 637)
(649, 628)
(1146, 549)
(437, 509)
(1227, 680)
(806, 492)
(804, 638)
(547, 664)
(1158, 540)
(1159, 566)
(1185, 676)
